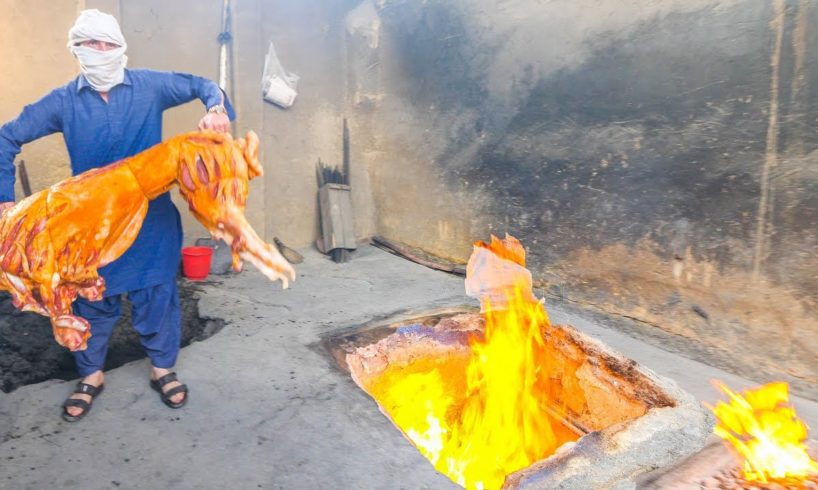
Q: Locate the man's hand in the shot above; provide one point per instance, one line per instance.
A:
(215, 121)
(5, 206)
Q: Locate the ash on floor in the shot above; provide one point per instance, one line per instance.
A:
(29, 354)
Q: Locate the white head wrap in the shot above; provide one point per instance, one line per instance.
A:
(102, 69)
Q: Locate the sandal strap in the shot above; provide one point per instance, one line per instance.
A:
(86, 389)
(175, 391)
(76, 402)
(168, 378)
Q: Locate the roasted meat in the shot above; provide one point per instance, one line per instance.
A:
(53, 242)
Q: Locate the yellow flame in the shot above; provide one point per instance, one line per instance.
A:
(484, 415)
(762, 427)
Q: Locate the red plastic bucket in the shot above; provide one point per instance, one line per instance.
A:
(196, 262)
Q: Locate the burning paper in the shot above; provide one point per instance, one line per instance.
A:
(495, 269)
(761, 426)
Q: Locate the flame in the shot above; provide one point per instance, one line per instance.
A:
(762, 427)
(484, 415)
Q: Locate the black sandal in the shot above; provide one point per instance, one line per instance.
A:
(158, 384)
(84, 389)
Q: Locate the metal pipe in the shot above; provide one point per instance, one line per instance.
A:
(224, 38)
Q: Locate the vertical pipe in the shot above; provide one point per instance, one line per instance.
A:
(224, 38)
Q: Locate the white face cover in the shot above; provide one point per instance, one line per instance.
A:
(102, 69)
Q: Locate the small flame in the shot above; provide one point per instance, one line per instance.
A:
(484, 415)
(762, 427)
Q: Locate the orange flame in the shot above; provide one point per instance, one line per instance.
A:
(495, 420)
(762, 427)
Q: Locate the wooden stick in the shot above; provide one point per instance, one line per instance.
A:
(403, 252)
(26, 185)
(345, 161)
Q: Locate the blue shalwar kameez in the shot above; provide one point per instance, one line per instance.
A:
(97, 133)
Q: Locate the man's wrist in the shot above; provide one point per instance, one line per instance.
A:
(217, 109)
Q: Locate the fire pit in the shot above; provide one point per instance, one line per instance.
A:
(501, 398)
(599, 419)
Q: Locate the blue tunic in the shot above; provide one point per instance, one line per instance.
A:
(97, 133)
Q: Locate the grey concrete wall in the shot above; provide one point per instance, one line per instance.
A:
(35, 60)
(655, 157)
(175, 36)
(308, 36)
(161, 35)
(181, 35)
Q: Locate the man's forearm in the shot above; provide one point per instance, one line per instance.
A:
(8, 151)
(6, 180)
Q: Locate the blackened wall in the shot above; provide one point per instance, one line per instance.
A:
(655, 158)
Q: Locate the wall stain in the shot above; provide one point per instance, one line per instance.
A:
(799, 48)
(763, 224)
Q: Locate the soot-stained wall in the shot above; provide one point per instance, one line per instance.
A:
(655, 158)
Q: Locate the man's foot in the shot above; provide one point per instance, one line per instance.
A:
(86, 390)
(173, 393)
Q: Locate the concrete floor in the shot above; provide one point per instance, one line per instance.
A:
(268, 407)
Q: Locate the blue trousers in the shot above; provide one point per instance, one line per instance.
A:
(156, 318)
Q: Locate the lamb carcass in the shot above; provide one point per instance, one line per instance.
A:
(53, 242)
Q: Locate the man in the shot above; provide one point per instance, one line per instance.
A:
(106, 114)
